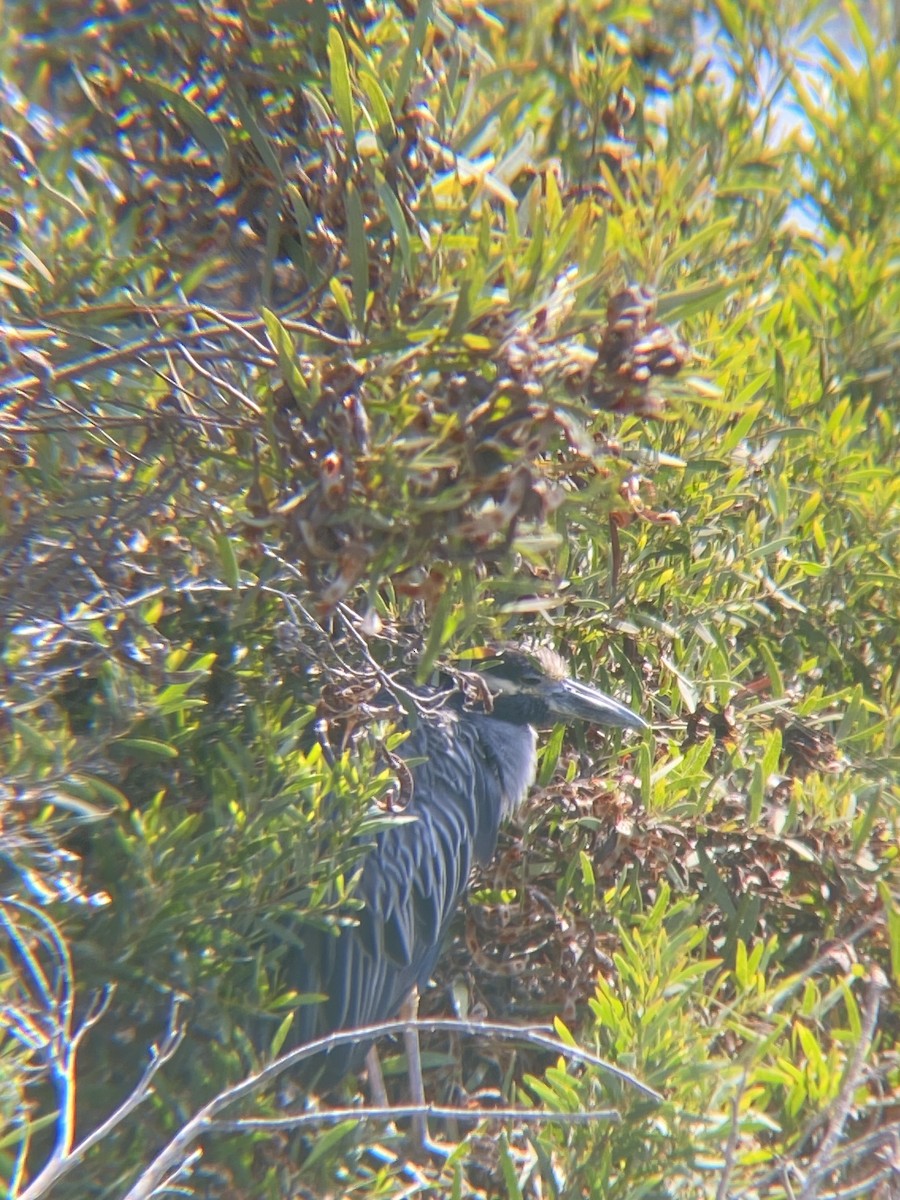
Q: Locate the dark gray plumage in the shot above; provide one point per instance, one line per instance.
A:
(475, 768)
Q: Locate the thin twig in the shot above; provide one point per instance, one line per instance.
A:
(865, 1187)
(57, 1041)
(388, 680)
(732, 1143)
(219, 382)
(863, 1148)
(56, 1168)
(116, 356)
(54, 1035)
(205, 1119)
(390, 1112)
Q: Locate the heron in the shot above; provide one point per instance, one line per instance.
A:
(470, 765)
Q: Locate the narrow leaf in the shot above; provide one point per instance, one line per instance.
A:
(398, 223)
(325, 1140)
(413, 49)
(257, 136)
(283, 345)
(144, 748)
(230, 570)
(381, 111)
(201, 126)
(359, 257)
(341, 92)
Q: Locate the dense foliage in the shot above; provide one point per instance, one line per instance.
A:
(341, 340)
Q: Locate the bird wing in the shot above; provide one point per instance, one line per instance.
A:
(411, 882)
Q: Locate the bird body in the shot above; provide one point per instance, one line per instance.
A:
(470, 769)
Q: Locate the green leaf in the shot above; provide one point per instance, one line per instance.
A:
(143, 748)
(550, 756)
(772, 755)
(283, 345)
(411, 54)
(78, 799)
(341, 92)
(587, 870)
(440, 631)
(107, 791)
(381, 112)
(892, 917)
(508, 1168)
(200, 124)
(281, 1033)
(230, 570)
(341, 299)
(326, 1139)
(757, 794)
(258, 136)
(718, 891)
(398, 223)
(359, 257)
(696, 299)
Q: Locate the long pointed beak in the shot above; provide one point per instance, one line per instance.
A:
(569, 699)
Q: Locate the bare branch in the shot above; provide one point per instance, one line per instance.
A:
(732, 1143)
(57, 1167)
(822, 1163)
(205, 1119)
(389, 1112)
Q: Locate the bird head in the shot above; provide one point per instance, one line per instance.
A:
(535, 689)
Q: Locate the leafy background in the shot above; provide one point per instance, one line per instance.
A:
(343, 339)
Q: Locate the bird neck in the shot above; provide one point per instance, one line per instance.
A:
(518, 708)
(508, 755)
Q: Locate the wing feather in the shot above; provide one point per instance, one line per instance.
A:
(411, 882)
